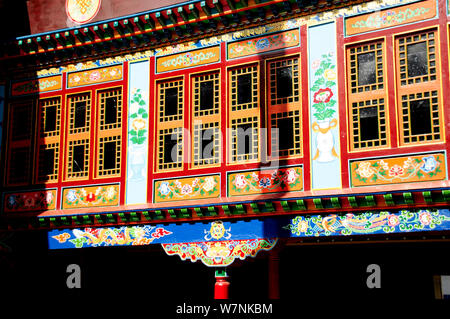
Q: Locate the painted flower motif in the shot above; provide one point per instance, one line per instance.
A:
(429, 164)
(407, 163)
(188, 58)
(365, 170)
(315, 65)
(98, 191)
(262, 44)
(238, 48)
(110, 193)
(195, 182)
(12, 200)
(265, 182)
(302, 226)
(425, 218)
(384, 165)
(323, 96)
(177, 183)
(396, 170)
(138, 124)
(71, 196)
(330, 74)
(209, 184)
(255, 177)
(393, 220)
(90, 197)
(49, 197)
(95, 76)
(186, 189)
(164, 188)
(83, 192)
(240, 181)
(29, 202)
(76, 78)
(112, 72)
(290, 176)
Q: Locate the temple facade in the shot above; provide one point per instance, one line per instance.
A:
(282, 143)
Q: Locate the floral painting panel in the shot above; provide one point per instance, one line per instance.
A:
(187, 188)
(92, 196)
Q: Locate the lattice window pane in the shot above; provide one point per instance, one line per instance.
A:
(368, 119)
(50, 116)
(244, 88)
(170, 148)
(244, 139)
(21, 121)
(206, 94)
(19, 165)
(78, 159)
(420, 117)
(284, 79)
(109, 156)
(48, 162)
(417, 58)
(366, 67)
(286, 134)
(110, 109)
(79, 113)
(170, 101)
(206, 143)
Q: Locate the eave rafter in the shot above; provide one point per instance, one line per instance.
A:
(253, 209)
(156, 28)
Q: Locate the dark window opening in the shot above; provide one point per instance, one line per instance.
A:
(50, 118)
(368, 122)
(206, 95)
(244, 138)
(48, 167)
(111, 110)
(284, 82)
(171, 104)
(109, 155)
(80, 114)
(170, 148)
(207, 143)
(420, 117)
(244, 83)
(367, 72)
(20, 165)
(21, 128)
(417, 59)
(78, 158)
(286, 133)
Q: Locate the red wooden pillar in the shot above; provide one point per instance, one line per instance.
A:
(222, 285)
(274, 274)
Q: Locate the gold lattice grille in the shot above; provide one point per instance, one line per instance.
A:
(206, 94)
(206, 143)
(284, 78)
(286, 133)
(170, 100)
(110, 109)
(244, 88)
(244, 139)
(366, 67)
(170, 148)
(48, 162)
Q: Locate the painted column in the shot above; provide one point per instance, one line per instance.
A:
(221, 286)
(324, 118)
(137, 141)
(2, 107)
(274, 274)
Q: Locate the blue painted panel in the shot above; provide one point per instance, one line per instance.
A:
(369, 223)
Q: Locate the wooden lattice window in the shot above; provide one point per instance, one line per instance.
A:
(366, 67)
(78, 159)
(79, 136)
(109, 132)
(79, 113)
(419, 88)
(284, 78)
(110, 109)
(286, 133)
(206, 143)
(244, 88)
(421, 117)
(366, 87)
(48, 162)
(206, 94)
(19, 159)
(170, 148)
(50, 116)
(109, 156)
(170, 100)
(368, 119)
(244, 139)
(417, 58)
